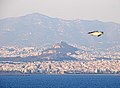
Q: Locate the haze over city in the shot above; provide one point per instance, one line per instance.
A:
(36, 33)
(59, 44)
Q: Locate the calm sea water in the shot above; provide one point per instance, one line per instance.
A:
(60, 81)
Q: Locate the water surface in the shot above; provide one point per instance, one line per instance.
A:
(60, 81)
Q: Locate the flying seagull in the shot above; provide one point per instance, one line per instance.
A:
(95, 33)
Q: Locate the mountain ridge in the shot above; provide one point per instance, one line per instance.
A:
(39, 14)
(27, 30)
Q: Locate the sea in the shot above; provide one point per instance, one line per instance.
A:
(60, 81)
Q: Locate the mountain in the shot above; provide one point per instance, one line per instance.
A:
(57, 52)
(40, 30)
(62, 48)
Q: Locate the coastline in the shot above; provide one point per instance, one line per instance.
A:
(15, 73)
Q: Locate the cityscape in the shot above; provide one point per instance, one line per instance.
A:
(60, 58)
(59, 43)
(39, 44)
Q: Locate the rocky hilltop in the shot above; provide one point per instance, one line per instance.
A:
(57, 52)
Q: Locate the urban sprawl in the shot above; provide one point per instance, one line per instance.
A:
(87, 62)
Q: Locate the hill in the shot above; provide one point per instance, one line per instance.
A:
(40, 30)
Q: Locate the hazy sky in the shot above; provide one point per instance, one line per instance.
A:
(104, 10)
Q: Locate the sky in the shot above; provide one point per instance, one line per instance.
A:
(103, 10)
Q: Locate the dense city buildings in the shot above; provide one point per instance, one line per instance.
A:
(61, 58)
(63, 67)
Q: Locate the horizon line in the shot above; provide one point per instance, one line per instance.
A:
(14, 17)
